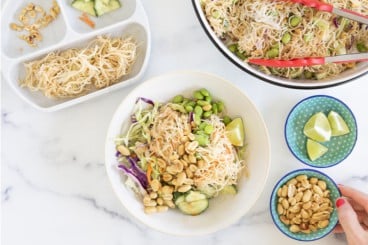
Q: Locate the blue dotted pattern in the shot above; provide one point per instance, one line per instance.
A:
(334, 194)
(339, 147)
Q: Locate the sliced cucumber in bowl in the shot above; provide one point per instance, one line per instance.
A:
(96, 7)
(105, 6)
(192, 203)
(86, 6)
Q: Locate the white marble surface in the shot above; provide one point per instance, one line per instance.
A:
(53, 182)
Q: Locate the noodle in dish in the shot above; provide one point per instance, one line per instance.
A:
(75, 72)
(181, 153)
(285, 30)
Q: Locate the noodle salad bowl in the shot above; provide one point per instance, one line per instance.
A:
(220, 211)
(284, 30)
(75, 72)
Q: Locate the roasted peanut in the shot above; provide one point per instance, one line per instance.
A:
(30, 12)
(322, 184)
(184, 188)
(162, 208)
(300, 178)
(167, 177)
(294, 228)
(123, 150)
(304, 204)
(150, 210)
(155, 185)
(280, 209)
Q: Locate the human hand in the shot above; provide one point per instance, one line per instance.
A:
(352, 210)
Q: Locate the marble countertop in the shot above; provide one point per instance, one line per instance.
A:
(53, 182)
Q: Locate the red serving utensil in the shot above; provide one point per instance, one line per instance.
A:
(310, 61)
(329, 8)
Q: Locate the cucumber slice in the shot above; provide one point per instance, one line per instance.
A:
(105, 6)
(194, 196)
(86, 6)
(192, 203)
(209, 191)
(180, 199)
(229, 189)
(193, 208)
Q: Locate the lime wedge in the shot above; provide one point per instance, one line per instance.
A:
(315, 150)
(338, 125)
(318, 128)
(235, 132)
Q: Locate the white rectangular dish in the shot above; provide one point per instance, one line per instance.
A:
(66, 32)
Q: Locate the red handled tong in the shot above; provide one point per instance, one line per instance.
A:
(329, 8)
(300, 62)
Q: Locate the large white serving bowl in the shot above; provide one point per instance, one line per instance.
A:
(224, 209)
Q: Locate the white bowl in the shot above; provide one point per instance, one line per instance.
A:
(66, 32)
(223, 210)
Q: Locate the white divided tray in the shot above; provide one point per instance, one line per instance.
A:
(68, 31)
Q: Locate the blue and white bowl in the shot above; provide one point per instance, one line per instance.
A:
(334, 194)
(339, 147)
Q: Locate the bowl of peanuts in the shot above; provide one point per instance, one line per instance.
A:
(302, 204)
(192, 177)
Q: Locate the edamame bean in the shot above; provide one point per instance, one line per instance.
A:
(294, 21)
(198, 95)
(202, 102)
(208, 98)
(208, 129)
(202, 139)
(207, 114)
(178, 99)
(216, 14)
(189, 108)
(197, 119)
(272, 53)
(198, 110)
(226, 120)
(191, 103)
(204, 92)
(202, 125)
(220, 106)
(215, 108)
(286, 38)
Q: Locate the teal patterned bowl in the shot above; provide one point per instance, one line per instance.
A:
(334, 194)
(339, 147)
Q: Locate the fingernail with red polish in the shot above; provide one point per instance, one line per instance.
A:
(340, 202)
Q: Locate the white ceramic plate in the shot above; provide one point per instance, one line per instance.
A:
(223, 210)
(67, 31)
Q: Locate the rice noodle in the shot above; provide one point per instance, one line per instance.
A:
(75, 72)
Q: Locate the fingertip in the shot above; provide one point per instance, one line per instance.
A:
(339, 202)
